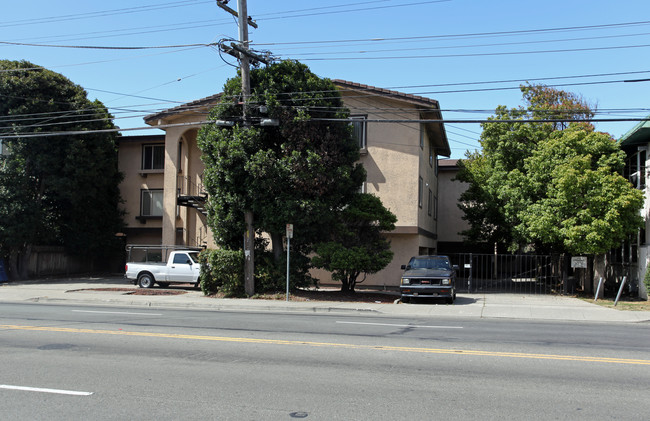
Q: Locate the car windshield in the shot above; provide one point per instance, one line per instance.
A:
(429, 263)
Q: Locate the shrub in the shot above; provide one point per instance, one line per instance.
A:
(271, 276)
(222, 270)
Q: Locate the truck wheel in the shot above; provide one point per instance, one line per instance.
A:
(145, 281)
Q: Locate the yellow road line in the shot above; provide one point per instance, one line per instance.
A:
(335, 345)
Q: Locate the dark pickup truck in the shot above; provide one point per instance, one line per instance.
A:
(429, 277)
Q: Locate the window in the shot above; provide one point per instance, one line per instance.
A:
(635, 169)
(151, 203)
(359, 124)
(422, 136)
(420, 187)
(435, 208)
(153, 157)
(430, 203)
(431, 155)
(181, 258)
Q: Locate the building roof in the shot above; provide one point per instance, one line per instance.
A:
(142, 138)
(447, 163)
(204, 104)
(386, 92)
(212, 99)
(199, 104)
(639, 134)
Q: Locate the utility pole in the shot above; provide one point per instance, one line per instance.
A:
(249, 234)
(244, 55)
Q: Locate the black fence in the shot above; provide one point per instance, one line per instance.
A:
(517, 274)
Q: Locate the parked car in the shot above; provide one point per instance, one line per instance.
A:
(182, 267)
(429, 277)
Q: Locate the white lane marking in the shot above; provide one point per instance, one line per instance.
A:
(43, 390)
(118, 312)
(393, 325)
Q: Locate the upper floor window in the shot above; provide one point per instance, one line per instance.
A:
(635, 168)
(153, 157)
(420, 191)
(359, 125)
(432, 154)
(422, 136)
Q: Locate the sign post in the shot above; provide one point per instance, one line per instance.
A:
(289, 237)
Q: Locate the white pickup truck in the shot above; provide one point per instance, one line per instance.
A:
(182, 267)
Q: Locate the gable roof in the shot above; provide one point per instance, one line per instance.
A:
(197, 105)
(203, 105)
(414, 99)
(639, 134)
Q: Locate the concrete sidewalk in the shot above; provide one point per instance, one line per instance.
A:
(85, 291)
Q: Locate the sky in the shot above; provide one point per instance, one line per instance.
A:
(470, 55)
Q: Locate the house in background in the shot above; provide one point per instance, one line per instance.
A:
(450, 217)
(635, 253)
(163, 191)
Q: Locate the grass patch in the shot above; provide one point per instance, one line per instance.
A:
(625, 303)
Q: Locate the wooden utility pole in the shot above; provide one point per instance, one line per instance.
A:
(249, 235)
(244, 63)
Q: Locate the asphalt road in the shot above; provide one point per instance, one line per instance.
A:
(61, 362)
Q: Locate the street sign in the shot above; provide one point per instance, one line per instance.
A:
(289, 230)
(579, 262)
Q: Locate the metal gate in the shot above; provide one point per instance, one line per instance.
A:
(516, 274)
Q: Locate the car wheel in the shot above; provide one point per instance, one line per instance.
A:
(450, 300)
(406, 299)
(145, 281)
(163, 284)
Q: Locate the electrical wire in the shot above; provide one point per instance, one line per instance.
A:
(111, 12)
(100, 47)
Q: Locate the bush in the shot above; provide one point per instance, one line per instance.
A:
(222, 270)
(271, 277)
(646, 281)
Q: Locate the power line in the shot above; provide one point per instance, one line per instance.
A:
(447, 47)
(103, 13)
(464, 35)
(501, 53)
(100, 47)
(421, 121)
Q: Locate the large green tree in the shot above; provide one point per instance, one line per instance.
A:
(57, 189)
(301, 171)
(546, 182)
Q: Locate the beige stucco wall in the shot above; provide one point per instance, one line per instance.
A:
(393, 160)
(450, 221)
(135, 180)
(389, 277)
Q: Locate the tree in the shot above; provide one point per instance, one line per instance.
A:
(54, 190)
(544, 182)
(356, 245)
(301, 171)
(582, 204)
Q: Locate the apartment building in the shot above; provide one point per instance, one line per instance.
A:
(400, 138)
(635, 254)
